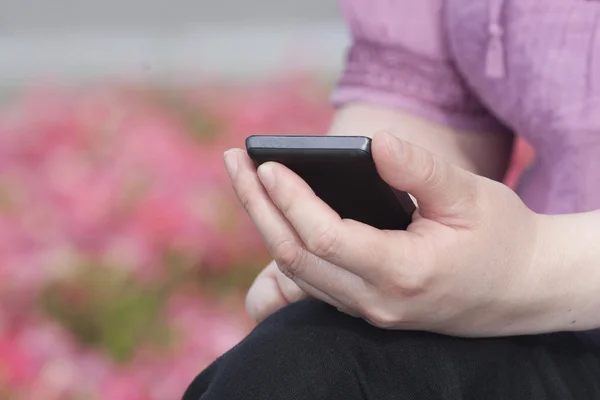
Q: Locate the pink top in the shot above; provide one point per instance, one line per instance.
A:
(526, 66)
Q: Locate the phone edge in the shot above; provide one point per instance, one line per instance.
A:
(298, 142)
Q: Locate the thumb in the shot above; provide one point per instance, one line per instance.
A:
(442, 190)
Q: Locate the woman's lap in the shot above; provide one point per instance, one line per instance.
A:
(309, 350)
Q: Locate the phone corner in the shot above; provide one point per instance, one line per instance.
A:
(366, 144)
(249, 142)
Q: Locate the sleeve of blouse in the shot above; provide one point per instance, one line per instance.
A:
(399, 58)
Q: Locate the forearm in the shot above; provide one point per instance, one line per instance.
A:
(485, 154)
(568, 254)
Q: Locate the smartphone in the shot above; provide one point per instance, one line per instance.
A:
(341, 171)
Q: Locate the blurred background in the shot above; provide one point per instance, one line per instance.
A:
(181, 40)
(124, 257)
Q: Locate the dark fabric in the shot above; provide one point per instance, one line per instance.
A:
(310, 351)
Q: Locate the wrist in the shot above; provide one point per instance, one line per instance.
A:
(565, 272)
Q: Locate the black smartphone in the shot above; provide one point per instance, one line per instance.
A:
(341, 171)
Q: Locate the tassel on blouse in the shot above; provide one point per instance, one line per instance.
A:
(495, 63)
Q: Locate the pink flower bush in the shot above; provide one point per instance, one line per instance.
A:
(124, 256)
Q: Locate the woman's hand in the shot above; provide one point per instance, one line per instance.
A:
(465, 266)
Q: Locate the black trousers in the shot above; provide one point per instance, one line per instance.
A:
(310, 351)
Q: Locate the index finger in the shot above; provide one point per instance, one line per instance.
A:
(359, 248)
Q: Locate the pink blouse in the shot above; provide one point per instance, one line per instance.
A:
(531, 67)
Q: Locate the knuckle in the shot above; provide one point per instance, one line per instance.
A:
(288, 257)
(382, 318)
(410, 284)
(324, 241)
(246, 200)
(431, 171)
(286, 204)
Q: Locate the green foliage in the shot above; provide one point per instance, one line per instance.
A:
(202, 125)
(104, 308)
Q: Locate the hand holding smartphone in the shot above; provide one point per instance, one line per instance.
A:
(341, 171)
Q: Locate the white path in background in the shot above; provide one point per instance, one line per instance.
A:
(234, 49)
(43, 16)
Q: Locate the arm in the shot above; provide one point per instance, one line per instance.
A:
(485, 154)
(568, 249)
(400, 76)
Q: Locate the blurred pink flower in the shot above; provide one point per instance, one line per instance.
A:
(124, 387)
(129, 179)
(16, 368)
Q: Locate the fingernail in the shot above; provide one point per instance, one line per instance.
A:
(266, 175)
(231, 164)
